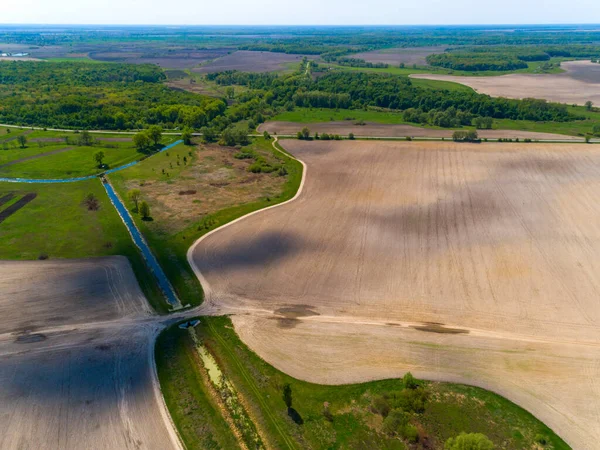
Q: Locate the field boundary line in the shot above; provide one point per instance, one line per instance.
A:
(176, 438)
(252, 386)
(190, 258)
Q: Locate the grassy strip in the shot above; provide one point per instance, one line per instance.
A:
(57, 224)
(187, 395)
(451, 408)
(171, 249)
(321, 115)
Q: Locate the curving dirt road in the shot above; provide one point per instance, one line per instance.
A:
(470, 263)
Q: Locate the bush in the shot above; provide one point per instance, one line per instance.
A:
(351, 136)
(465, 136)
(397, 424)
(379, 405)
(471, 441)
(409, 381)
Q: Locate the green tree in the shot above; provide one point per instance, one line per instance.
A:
(141, 141)
(230, 92)
(287, 395)
(588, 105)
(22, 140)
(351, 136)
(144, 210)
(99, 157)
(266, 135)
(409, 381)
(155, 134)
(85, 139)
(187, 135)
(134, 195)
(305, 133)
(471, 441)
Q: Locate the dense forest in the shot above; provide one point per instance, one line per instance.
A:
(122, 96)
(97, 96)
(359, 90)
(506, 58)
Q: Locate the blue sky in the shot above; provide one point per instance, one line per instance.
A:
(273, 12)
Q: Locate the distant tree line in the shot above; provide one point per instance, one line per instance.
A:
(98, 96)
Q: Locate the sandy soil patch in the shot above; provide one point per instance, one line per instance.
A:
(496, 242)
(373, 129)
(395, 56)
(251, 61)
(75, 349)
(580, 83)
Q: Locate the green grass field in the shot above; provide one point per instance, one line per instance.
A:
(171, 248)
(57, 224)
(14, 154)
(194, 411)
(451, 408)
(532, 67)
(77, 162)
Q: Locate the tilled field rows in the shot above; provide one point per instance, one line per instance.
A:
(472, 263)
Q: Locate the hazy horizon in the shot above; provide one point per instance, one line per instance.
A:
(310, 12)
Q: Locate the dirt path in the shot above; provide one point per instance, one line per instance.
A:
(372, 129)
(40, 155)
(457, 262)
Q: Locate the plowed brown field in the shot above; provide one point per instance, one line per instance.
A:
(473, 263)
(580, 83)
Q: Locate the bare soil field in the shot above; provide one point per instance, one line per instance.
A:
(580, 83)
(373, 129)
(395, 56)
(251, 61)
(171, 58)
(75, 358)
(470, 263)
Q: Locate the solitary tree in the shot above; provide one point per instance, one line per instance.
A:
(99, 157)
(141, 141)
(155, 134)
(588, 105)
(85, 138)
(134, 195)
(266, 135)
(287, 395)
(186, 135)
(144, 210)
(305, 133)
(22, 140)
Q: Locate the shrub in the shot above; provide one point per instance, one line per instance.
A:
(409, 381)
(351, 136)
(282, 172)
(380, 405)
(465, 136)
(471, 441)
(91, 202)
(395, 421)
